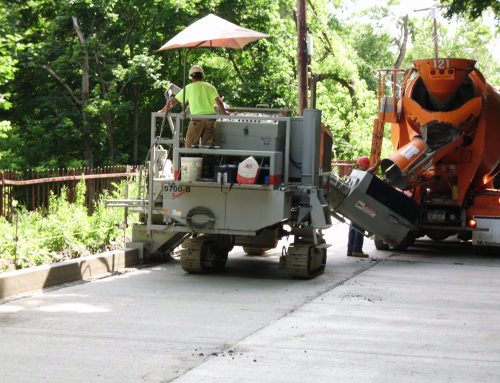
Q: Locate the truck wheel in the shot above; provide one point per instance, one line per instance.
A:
(380, 244)
(409, 240)
(402, 246)
(255, 250)
(438, 236)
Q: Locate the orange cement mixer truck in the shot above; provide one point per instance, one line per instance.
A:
(445, 130)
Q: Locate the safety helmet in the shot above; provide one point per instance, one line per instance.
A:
(195, 69)
(363, 162)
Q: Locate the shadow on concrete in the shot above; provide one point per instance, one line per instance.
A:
(451, 250)
(41, 277)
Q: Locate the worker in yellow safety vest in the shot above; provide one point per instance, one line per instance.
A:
(201, 97)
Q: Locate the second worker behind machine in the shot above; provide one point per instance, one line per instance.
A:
(356, 236)
(201, 97)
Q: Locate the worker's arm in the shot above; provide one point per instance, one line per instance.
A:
(220, 105)
(169, 105)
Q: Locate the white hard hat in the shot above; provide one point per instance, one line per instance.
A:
(195, 69)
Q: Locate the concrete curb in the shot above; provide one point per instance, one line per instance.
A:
(39, 277)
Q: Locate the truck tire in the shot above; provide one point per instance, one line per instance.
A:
(255, 250)
(380, 244)
(402, 246)
(409, 240)
(438, 236)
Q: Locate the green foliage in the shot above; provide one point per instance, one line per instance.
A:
(469, 40)
(8, 41)
(64, 231)
(471, 9)
(9, 45)
(45, 122)
(374, 53)
(345, 53)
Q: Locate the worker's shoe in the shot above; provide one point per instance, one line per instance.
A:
(358, 254)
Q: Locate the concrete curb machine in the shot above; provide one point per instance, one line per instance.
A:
(202, 203)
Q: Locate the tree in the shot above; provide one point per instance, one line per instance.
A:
(9, 43)
(471, 9)
(83, 100)
(350, 52)
(103, 76)
(91, 59)
(468, 40)
(8, 40)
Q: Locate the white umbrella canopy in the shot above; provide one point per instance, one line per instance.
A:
(213, 32)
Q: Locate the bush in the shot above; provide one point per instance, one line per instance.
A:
(64, 231)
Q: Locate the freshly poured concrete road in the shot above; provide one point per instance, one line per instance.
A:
(431, 315)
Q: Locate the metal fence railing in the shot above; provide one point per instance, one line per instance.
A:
(32, 188)
(343, 168)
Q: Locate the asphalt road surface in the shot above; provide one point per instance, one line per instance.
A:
(429, 315)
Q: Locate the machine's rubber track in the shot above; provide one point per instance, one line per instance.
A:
(305, 261)
(197, 256)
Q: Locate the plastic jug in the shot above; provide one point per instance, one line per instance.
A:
(248, 170)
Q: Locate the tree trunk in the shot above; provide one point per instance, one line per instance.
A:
(87, 143)
(402, 43)
(86, 136)
(135, 96)
(82, 102)
(108, 117)
(110, 127)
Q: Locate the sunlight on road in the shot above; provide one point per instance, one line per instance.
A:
(76, 307)
(8, 309)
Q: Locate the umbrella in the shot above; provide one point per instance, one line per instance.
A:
(213, 32)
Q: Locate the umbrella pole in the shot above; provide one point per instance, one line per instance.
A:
(184, 82)
(186, 52)
(183, 115)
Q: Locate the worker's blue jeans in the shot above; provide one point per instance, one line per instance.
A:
(355, 242)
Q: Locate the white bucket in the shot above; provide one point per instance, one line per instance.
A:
(247, 171)
(191, 168)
